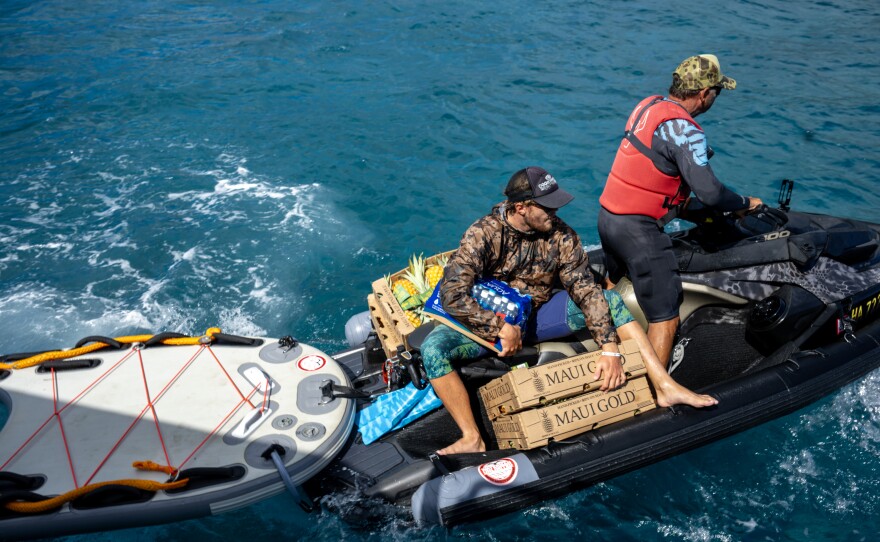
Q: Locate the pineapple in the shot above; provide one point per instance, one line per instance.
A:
(435, 272)
(403, 290)
(415, 287)
(415, 273)
(414, 317)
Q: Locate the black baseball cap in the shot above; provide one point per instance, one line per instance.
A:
(543, 189)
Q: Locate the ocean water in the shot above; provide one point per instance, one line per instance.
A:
(171, 165)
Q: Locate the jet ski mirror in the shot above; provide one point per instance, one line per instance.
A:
(784, 198)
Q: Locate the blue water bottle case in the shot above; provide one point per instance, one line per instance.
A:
(504, 300)
(491, 294)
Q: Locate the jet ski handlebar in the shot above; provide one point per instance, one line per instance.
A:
(717, 228)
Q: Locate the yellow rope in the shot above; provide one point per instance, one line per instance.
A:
(148, 485)
(131, 339)
(152, 466)
(55, 502)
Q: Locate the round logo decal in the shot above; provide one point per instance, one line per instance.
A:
(500, 472)
(311, 363)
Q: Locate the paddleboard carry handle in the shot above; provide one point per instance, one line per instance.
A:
(159, 337)
(59, 365)
(112, 343)
(225, 338)
(21, 482)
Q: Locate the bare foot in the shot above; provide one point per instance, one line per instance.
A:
(673, 393)
(464, 445)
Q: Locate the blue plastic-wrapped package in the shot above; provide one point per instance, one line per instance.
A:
(491, 294)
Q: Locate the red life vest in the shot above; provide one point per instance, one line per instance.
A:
(635, 186)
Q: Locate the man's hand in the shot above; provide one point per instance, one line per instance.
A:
(511, 340)
(754, 203)
(609, 369)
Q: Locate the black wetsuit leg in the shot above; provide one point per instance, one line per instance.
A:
(635, 246)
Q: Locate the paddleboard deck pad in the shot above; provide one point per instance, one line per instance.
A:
(209, 414)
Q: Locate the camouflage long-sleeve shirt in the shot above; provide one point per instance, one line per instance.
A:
(534, 263)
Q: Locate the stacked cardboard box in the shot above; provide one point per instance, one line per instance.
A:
(532, 428)
(536, 386)
(559, 400)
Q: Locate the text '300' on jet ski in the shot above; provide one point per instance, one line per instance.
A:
(780, 309)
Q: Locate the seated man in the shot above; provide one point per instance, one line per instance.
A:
(523, 243)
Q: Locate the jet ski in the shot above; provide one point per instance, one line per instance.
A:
(780, 309)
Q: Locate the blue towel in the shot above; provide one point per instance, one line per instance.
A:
(394, 410)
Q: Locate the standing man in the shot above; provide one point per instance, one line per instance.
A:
(523, 243)
(662, 158)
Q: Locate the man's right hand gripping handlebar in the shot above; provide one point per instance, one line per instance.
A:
(754, 204)
(511, 339)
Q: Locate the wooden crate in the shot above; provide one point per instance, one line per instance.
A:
(388, 317)
(390, 323)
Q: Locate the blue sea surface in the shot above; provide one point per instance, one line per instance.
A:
(171, 165)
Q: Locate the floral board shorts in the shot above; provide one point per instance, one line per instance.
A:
(557, 318)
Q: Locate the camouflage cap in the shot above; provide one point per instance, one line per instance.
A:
(699, 72)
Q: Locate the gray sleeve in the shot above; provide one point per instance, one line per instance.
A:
(684, 145)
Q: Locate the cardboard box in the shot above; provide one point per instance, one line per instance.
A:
(565, 419)
(387, 315)
(526, 388)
